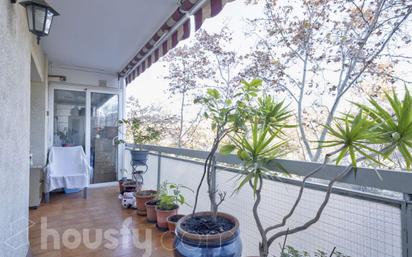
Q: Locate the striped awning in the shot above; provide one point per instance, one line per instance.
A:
(158, 45)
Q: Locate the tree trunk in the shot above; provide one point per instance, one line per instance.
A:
(182, 107)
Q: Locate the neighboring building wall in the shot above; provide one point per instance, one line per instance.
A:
(15, 51)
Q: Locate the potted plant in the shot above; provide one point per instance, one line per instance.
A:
(172, 221)
(141, 135)
(170, 197)
(141, 198)
(215, 234)
(151, 215)
(373, 134)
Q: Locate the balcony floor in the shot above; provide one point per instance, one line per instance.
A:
(102, 210)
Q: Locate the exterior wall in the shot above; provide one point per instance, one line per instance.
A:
(39, 61)
(38, 102)
(38, 107)
(82, 77)
(15, 58)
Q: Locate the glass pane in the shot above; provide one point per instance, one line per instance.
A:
(69, 118)
(40, 15)
(30, 17)
(48, 22)
(104, 116)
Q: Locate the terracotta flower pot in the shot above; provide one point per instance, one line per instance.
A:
(151, 211)
(225, 243)
(121, 188)
(162, 216)
(172, 221)
(141, 198)
(121, 184)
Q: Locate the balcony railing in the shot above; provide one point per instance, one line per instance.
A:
(357, 223)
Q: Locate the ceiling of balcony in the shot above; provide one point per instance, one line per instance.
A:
(103, 34)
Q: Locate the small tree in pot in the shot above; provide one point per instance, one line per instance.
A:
(141, 135)
(374, 134)
(213, 233)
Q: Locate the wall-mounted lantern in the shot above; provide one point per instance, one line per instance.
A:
(39, 16)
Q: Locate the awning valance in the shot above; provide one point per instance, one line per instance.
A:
(176, 28)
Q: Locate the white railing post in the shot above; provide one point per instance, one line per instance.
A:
(159, 169)
(406, 220)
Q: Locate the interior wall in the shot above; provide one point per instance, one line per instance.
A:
(15, 59)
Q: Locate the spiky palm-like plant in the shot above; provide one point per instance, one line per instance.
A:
(373, 133)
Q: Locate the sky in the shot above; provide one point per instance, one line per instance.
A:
(149, 88)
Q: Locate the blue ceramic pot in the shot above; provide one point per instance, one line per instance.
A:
(226, 244)
(139, 157)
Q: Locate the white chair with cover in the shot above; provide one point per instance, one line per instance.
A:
(67, 168)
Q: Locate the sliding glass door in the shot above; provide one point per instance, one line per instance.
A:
(88, 118)
(104, 116)
(69, 121)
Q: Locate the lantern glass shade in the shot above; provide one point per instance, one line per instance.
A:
(39, 16)
(49, 21)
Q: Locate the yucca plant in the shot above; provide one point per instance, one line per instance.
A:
(258, 142)
(354, 136)
(394, 125)
(257, 151)
(372, 134)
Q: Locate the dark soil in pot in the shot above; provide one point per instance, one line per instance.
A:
(200, 236)
(152, 202)
(204, 225)
(146, 193)
(175, 218)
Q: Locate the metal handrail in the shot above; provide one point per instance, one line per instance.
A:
(392, 180)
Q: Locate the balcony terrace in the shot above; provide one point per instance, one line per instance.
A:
(367, 215)
(68, 89)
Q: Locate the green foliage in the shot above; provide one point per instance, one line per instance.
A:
(229, 112)
(375, 131)
(257, 135)
(394, 124)
(292, 252)
(141, 134)
(256, 148)
(353, 136)
(170, 196)
(273, 113)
